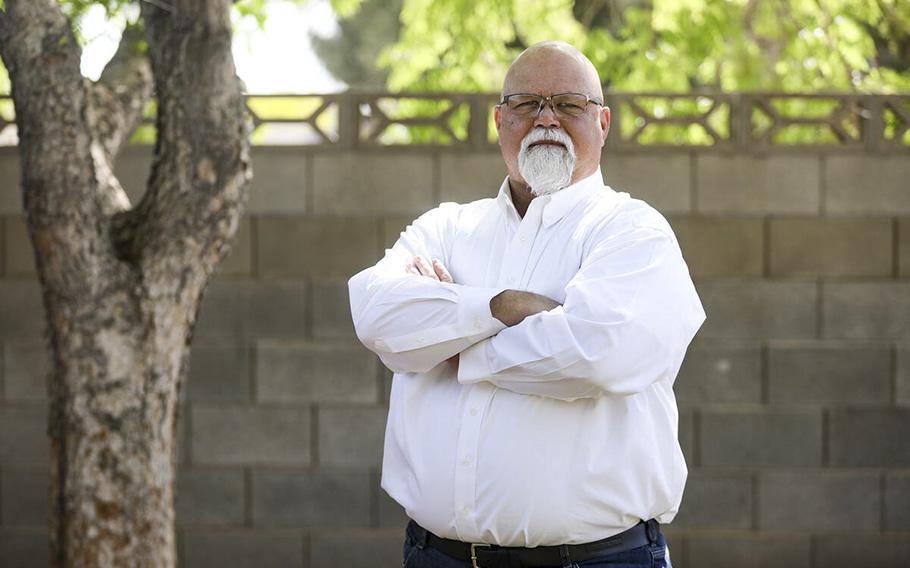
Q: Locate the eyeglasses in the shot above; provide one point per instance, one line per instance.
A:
(564, 104)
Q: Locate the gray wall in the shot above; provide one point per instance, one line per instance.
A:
(794, 398)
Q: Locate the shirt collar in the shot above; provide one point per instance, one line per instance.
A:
(557, 205)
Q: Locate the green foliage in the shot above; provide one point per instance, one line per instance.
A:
(672, 45)
(680, 46)
(350, 55)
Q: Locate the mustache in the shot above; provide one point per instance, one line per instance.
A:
(546, 135)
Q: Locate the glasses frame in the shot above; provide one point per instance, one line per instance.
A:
(548, 100)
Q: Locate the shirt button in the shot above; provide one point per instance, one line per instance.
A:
(522, 238)
(473, 412)
(466, 511)
(478, 324)
(466, 460)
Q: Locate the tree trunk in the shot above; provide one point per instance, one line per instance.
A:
(122, 284)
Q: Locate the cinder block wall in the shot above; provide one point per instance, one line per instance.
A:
(794, 398)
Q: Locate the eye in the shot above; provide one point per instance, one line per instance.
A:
(570, 107)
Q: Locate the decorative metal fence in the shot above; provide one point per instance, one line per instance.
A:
(643, 120)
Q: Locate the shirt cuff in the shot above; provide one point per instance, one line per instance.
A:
(474, 311)
(473, 364)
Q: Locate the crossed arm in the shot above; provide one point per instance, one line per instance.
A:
(510, 307)
(629, 314)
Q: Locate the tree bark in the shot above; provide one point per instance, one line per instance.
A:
(122, 284)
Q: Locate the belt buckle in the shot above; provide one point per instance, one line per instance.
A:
(474, 553)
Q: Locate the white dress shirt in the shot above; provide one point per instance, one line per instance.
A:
(561, 429)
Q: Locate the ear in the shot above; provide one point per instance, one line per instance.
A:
(604, 123)
(497, 118)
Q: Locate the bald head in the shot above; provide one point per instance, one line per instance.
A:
(554, 62)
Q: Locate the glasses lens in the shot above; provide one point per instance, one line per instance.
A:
(524, 104)
(570, 103)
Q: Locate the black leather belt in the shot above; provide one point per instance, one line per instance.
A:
(493, 556)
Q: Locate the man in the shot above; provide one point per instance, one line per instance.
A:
(535, 338)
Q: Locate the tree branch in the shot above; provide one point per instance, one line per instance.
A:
(200, 171)
(122, 91)
(59, 187)
(117, 101)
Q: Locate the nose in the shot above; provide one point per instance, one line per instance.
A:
(546, 117)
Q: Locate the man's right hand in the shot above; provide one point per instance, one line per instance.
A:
(512, 306)
(431, 269)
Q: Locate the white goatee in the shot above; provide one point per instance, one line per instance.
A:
(546, 167)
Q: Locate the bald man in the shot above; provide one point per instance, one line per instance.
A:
(535, 337)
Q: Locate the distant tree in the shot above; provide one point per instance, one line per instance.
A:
(643, 45)
(350, 56)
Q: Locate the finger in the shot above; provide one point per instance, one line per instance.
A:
(410, 269)
(425, 267)
(441, 271)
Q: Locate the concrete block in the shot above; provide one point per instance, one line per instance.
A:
(868, 551)
(132, 168)
(219, 371)
(897, 502)
(875, 437)
(686, 434)
(756, 309)
(828, 372)
(819, 501)
(239, 261)
(25, 548)
(244, 548)
(864, 183)
(20, 256)
(748, 550)
(468, 177)
(812, 246)
(903, 247)
(662, 180)
(715, 501)
(331, 309)
(756, 185)
(182, 442)
(21, 310)
(210, 497)
(316, 246)
(357, 549)
(24, 497)
(279, 182)
(720, 371)
(238, 309)
(26, 370)
(391, 514)
(903, 373)
(312, 498)
(314, 372)
(351, 436)
(857, 310)
(23, 435)
(761, 438)
(238, 434)
(718, 246)
(10, 182)
(677, 549)
(373, 183)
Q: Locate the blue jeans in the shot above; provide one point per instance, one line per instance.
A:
(417, 555)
